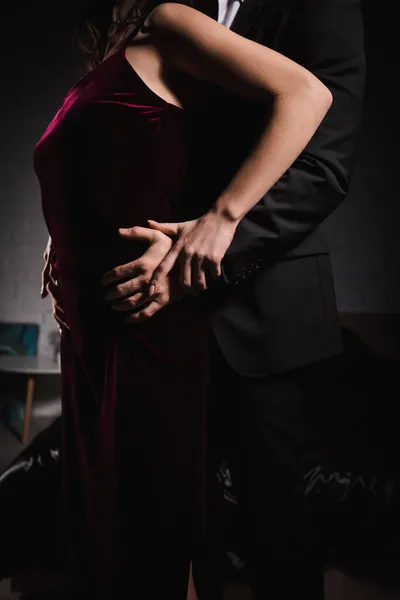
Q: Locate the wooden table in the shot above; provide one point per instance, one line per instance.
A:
(31, 367)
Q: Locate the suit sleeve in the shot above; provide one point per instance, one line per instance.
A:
(325, 36)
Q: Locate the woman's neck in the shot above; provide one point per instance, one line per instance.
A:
(132, 35)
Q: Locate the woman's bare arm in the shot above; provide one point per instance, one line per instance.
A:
(206, 50)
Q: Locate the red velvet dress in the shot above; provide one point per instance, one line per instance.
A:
(134, 396)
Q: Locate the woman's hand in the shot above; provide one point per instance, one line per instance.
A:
(50, 287)
(200, 248)
(46, 276)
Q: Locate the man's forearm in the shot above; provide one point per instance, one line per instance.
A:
(302, 200)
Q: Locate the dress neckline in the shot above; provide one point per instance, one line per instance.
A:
(120, 54)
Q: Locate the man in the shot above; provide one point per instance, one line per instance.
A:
(273, 312)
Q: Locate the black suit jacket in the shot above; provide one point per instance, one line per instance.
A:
(276, 308)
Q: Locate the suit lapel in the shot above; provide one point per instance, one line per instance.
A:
(247, 14)
(208, 7)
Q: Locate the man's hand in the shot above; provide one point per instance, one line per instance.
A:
(128, 285)
(168, 292)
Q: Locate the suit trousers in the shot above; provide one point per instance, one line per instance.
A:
(271, 432)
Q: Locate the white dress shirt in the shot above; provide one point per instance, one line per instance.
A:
(227, 10)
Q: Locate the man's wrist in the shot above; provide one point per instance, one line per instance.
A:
(244, 268)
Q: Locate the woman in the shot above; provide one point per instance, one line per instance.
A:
(114, 156)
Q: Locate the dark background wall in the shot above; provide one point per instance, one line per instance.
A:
(365, 230)
(39, 64)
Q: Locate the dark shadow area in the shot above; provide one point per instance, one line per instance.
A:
(354, 494)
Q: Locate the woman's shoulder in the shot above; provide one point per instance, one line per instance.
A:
(171, 15)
